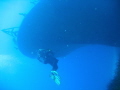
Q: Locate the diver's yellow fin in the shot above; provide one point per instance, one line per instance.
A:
(54, 75)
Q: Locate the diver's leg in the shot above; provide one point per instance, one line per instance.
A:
(55, 67)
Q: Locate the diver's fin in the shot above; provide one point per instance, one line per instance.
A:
(54, 75)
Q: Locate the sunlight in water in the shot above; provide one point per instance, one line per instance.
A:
(8, 63)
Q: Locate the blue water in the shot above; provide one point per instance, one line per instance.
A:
(88, 68)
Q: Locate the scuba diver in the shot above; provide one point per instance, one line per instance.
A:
(46, 56)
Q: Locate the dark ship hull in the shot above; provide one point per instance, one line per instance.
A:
(64, 25)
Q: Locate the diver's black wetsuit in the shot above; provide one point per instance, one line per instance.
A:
(47, 57)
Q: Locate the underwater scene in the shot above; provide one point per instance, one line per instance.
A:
(59, 45)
